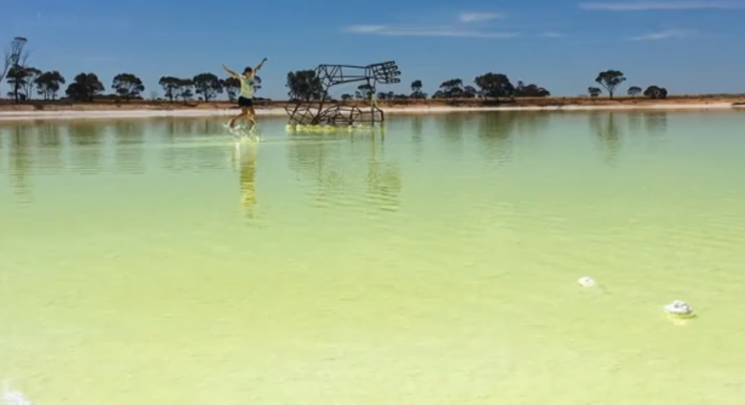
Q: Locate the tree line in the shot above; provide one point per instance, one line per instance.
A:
(127, 86)
(26, 80)
(611, 79)
(305, 85)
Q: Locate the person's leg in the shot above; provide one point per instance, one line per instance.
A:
(251, 116)
(244, 112)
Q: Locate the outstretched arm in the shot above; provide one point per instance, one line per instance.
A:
(230, 72)
(260, 65)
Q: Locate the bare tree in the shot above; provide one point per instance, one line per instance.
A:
(14, 58)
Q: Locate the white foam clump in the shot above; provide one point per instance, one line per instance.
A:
(13, 397)
(586, 282)
(678, 307)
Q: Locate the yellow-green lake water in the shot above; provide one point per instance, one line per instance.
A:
(157, 262)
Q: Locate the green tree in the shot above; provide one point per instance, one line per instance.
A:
(232, 86)
(494, 85)
(207, 85)
(170, 86)
(386, 95)
(530, 90)
(185, 89)
(85, 87)
(346, 97)
(634, 91)
(655, 92)
(48, 84)
(127, 85)
(452, 88)
(30, 76)
(594, 91)
(14, 58)
(20, 80)
(610, 79)
(365, 90)
(304, 85)
(416, 90)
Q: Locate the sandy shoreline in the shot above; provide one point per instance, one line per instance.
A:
(280, 112)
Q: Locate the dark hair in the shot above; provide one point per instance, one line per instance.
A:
(248, 69)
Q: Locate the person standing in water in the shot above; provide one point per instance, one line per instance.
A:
(245, 100)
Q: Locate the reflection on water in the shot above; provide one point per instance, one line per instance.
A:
(130, 139)
(608, 133)
(244, 157)
(87, 141)
(436, 262)
(383, 176)
(655, 123)
(20, 160)
(495, 132)
(339, 165)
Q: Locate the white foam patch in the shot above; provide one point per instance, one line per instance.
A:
(14, 397)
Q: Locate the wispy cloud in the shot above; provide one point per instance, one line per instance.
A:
(552, 34)
(466, 25)
(667, 34)
(478, 16)
(663, 5)
(421, 31)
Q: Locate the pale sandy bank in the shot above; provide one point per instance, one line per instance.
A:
(279, 112)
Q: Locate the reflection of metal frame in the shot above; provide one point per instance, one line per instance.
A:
(317, 113)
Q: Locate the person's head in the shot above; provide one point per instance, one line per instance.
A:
(248, 71)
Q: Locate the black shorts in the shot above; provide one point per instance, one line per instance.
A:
(245, 102)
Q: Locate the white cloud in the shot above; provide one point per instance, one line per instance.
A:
(421, 31)
(552, 34)
(365, 29)
(656, 36)
(662, 5)
(461, 28)
(478, 16)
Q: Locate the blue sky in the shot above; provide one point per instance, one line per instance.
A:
(686, 46)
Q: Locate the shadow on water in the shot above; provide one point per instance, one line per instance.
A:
(608, 134)
(346, 169)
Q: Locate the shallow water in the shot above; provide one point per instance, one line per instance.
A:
(154, 261)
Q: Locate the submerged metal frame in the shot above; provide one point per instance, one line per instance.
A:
(317, 112)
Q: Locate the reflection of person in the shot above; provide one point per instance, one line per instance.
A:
(245, 100)
(246, 161)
